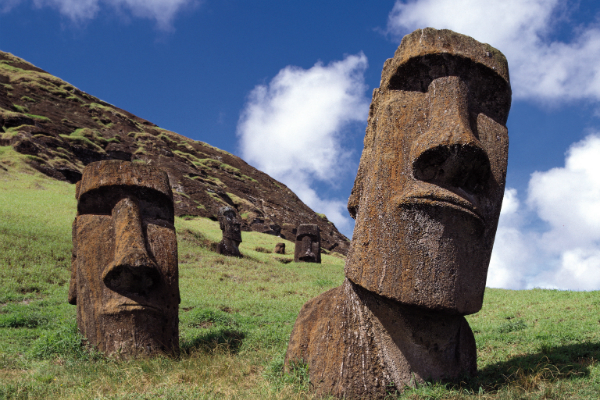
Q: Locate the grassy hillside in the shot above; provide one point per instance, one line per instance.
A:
(58, 130)
(236, 316)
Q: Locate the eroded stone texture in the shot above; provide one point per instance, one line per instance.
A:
(426, 200)
(361, 345)
(308, 244)
(232, 235)
(124, 277)
(280, 248)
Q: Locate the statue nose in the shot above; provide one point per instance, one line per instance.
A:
(132, 269)
(449, 154)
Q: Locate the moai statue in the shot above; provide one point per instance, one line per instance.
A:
(232, 234)
(280, 248)
(308, 244)
(426, 201)
(124, 277)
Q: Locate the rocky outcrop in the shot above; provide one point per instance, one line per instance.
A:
(62, 129)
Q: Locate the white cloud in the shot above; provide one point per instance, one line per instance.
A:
(77, 10)
(7, 5)
(292, 128)
(162, 11)
(566, 253)
(568, 198)
(512, 249)
(540, 68)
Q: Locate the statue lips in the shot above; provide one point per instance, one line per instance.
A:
(438, 196)
(140, 307)
(118, 307)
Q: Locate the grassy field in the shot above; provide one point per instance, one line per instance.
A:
(236, 316)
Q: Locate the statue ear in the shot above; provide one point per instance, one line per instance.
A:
(354, 198)
(73, 284)
(356, 194)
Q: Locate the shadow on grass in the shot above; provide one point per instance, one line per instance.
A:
(529, 371)
(223, 339)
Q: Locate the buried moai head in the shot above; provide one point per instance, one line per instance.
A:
(125, 274)
(308, 244)
(232, 234)
(280, 248)
(429, 188)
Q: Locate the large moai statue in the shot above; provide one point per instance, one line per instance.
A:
(232, 233)
(308, 244)
(124, 277)
(426, 201)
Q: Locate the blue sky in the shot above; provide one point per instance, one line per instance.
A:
(286, 85)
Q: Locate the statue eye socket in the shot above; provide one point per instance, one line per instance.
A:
(152, 204)
(489, 93)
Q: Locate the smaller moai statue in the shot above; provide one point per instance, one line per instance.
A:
(124, 277)
(232, 234)
(308, 244)
(280, 248)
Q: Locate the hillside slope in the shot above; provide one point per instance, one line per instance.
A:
(236, 316)
(61, 129)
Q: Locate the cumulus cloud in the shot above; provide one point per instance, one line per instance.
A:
(565, 252)
(511, 248)
(292, 128)
(540, 68)
(161, 11)
(7, 5)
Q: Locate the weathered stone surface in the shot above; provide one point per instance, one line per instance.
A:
(431, 178)
(73, 129)
(280, 248)
(232, 234)
(124, 277)
(308, 244)
(426, 200)
(361, 345)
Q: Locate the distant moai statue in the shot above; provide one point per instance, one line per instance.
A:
(426, 200)
(124, 277)
(232, 233)
(280, 248)
(308, 244)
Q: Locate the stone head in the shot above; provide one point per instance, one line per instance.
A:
(125, 272)
(280, 248)
(308, 244)
(431, 178)
(230, 224)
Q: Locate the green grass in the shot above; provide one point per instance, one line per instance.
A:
(40, 118)
(90, 138)
(236, 316)
(21, 109)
